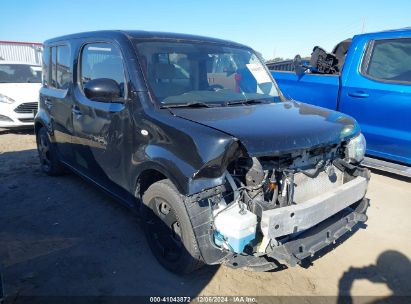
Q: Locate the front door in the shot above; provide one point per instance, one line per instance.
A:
(102, 129)
(378, 95)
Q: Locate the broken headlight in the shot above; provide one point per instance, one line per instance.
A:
(355, 149)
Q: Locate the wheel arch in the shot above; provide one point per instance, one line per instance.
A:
(42, 119)
(149, 175)
(37, 126)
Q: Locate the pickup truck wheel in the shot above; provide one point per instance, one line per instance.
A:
(48, 158)
(168, 228)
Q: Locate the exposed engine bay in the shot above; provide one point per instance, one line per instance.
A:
(267, 202)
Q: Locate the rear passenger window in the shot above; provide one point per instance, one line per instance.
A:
(102, 60)
(60, 67)
(389, 60)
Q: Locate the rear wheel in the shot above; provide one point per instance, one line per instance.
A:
(168, 228)
(48, 157)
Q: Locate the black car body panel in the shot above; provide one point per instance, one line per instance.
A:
(177, 148)
(276, 128)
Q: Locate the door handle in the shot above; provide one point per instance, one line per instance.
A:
(76, 111)
(49, 103)
(358, 94)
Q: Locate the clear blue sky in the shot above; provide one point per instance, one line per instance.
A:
(275, 28)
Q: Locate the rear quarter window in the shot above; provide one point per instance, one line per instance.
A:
(61, 75)
(46, 66)
(64, 76)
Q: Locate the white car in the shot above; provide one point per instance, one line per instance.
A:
(19, 93)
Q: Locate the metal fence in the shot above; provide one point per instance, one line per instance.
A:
(286, 65)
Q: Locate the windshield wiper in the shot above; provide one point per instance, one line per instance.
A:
(245, 102)
(187, 105)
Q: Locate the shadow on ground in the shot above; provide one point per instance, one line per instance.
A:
(62, 236)
(20, 131)
(392, 175)
(392, 268)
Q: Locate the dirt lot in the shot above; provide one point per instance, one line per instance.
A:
(63, 236)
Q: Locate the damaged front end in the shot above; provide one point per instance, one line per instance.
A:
(280, 209)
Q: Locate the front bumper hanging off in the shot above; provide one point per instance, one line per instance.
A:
(306, 228)
(316, 221)
(313, 240)
(305, 244)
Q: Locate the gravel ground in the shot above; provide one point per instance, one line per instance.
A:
(63, 236)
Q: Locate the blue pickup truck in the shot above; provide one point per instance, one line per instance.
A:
(369, 78)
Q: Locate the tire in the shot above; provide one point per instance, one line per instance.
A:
(168, 229)
(49, 161)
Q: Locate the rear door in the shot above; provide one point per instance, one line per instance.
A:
(56, 95)
(377, 92)
(102, 138)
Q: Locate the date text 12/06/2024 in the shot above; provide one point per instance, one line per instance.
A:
(204, 299)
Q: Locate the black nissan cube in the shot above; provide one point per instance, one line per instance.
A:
(193, 134)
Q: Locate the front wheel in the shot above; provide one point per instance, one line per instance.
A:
(49, 161)
(168, 228)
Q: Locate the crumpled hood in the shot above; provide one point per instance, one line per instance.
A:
(277, 128)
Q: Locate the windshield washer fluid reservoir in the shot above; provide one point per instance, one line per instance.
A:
(235, 227)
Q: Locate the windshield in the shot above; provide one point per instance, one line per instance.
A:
(20, 73)
(207, 74)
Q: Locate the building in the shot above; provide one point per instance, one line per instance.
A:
(27, 52)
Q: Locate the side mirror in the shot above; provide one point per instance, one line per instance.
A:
(298, 65)
(102, 89)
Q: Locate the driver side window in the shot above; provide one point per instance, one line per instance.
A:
(389, 60)
(102, 60)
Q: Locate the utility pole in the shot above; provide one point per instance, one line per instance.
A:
(363, 26)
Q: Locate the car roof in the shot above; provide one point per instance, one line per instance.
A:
(402, 32)
(138, 34)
